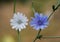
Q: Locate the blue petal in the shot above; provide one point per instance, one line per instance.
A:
(46, 23)
(42, 27)
(36, 14)
(36, 27)
(32, 24)
(35, 19)
(44, 18)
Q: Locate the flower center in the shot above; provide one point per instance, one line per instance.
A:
(39, 22)
(19, 22)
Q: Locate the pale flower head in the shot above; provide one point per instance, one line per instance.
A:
(19, 21)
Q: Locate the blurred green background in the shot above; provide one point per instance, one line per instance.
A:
(7, 34)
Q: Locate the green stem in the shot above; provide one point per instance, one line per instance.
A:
(35, 39)
(33, 8)
(14, 6)
(37, 35)
(50, 15)
(18, 35)
(39, 31)
(44, 37)
(54, 9)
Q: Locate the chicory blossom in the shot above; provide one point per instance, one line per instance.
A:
(19, 21)
(39, 21)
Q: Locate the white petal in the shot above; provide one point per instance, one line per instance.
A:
(13, 24)
(13, 27)
(26, 23)
(19, 29)
(11, 20)
(15, 15)
(16, 28)
(24, 26)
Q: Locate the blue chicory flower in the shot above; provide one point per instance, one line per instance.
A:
(39, 21)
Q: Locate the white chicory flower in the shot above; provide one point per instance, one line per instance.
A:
(19, 21)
